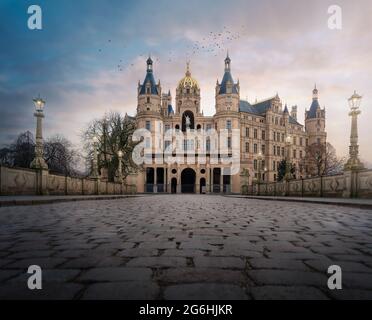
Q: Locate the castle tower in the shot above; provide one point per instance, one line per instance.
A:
(166, 104)
(188, 98)
(315, 121)
(228, 92)
(149, 105)
(149, 93)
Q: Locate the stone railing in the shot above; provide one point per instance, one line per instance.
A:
(350, 184)
(20, 181)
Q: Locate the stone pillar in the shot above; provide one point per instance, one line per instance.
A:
(178, 179)
(155, 188)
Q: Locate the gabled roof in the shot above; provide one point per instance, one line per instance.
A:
(260, 108)
(257, 108)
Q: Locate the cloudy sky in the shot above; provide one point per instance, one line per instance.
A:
(89, 56)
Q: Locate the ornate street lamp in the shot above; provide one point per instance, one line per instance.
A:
(120, 158)
(95, 158)
(39, 162)
(354, 163)
(288, 142)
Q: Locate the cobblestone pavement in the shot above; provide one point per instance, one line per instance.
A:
(185, 247)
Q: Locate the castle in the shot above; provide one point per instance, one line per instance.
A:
(264, 127)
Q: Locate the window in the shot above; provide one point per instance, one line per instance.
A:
(148, 100)
(148, 90)
(247, 132)
(318, 140)
(294, 154)
(255, 134)
(255, 164)
(301, 142)
(300, 154)
(274, 150)
(282, 137)
(229, 142)
(167, 143)
(228, 124)
(147, 143)
(247, 147)
(209, 127)
(208, 144)
(294, 140)
(274, 165)
(263, 135)
(263, 149)
(274, 136)
(167, 127)
(278, 136)
(282, 152)
(188, 91)
(148, 125)
(278, 150)
(255, 148)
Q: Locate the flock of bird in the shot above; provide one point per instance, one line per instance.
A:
(212, 43)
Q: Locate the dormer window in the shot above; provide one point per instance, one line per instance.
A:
(148, 99)
(148, 90)
(188, 91)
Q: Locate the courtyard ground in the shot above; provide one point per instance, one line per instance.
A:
(185, 247)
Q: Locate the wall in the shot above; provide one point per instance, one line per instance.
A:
(348, 184)
(20, 181)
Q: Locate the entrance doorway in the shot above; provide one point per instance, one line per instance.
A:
(174, 185)
(188, 176)
(202, 185)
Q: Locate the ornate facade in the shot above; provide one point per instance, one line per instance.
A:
(265, 130)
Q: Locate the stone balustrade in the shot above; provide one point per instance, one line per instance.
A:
(21, 181)
(350, 184)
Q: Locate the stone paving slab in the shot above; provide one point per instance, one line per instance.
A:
(185, 247)
(348, 202)
(7, 201)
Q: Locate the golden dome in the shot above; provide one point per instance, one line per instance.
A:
(187, 81)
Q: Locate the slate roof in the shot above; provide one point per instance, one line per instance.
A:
(227, 77)
(170, 109)
(149, 78)
(314, 106)
(260, 108)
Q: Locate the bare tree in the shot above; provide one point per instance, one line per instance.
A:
(60, 155)
(321, 159)
(114, 133)
(20, 153)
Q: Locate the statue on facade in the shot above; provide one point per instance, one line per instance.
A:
(188, 122)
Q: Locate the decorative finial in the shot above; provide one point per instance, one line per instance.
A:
(188, 73)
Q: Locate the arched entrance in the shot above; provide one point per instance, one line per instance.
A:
(188, 176)
(174, 185)
(202, 185)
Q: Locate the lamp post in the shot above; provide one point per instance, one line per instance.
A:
(245, 174)
(354, 163)
(120, 173)
(288, 142)
(95, 158)
(259, 170)
(39, 162)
